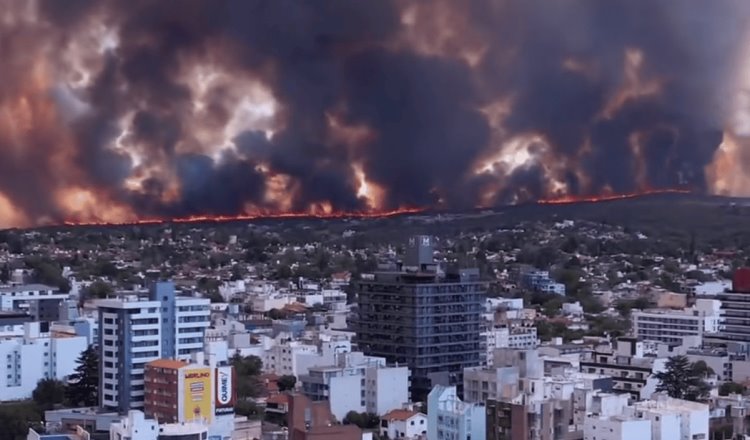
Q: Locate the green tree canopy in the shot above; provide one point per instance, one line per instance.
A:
(728, 388)
(247, 369)
(682, 380)
(48, 393)
(363, 420)
(97, 289)
(287, 382)
(83, 384)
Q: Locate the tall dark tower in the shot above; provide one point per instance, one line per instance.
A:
(415, 315)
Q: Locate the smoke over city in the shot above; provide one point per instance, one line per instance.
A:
(115, 111)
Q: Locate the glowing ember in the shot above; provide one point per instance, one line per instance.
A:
(261, 216)
(609, 197)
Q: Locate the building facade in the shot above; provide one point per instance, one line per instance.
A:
(631, 370)
(672, 326)
(363, 385)
(448, 417)
(134, 331)
(38, 354)
(40, 301)
(415, 315)
(182, 392)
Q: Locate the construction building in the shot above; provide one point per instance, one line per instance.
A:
(415, 314)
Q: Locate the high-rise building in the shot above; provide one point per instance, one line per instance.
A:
(419, 316)
(135, 331)
(734, 328)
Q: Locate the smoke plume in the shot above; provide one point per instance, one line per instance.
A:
(117, 111)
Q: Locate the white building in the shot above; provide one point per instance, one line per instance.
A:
(137, 427)
(492, 304)
(519, 337)
(662, 418)
(360, 383)
(450, 418)
(672, 418)
(36, 355)
(627, 363)
(39, 300)
(285, 356)
(616, 428)
(403, 424)
(264, 302)
(673, 325)
(129, 338)
(134, 331)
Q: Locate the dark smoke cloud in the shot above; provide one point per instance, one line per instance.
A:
(415, 76)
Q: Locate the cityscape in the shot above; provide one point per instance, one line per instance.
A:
(421, 326)
(374, 220)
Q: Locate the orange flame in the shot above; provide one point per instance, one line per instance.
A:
(609, 197)
(260, 216)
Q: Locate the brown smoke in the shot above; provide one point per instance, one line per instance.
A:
(121, 111)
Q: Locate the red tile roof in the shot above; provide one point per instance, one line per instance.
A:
(399, 414)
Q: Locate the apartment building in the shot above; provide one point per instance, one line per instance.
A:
(516, 337)
(525, 404)
(416, 315)
(672, 326)
(662, 418)
(135, 331)
(182, 392)
(284, 355)
(358, 383)
(38, 354)
(40, 301)
(448, 417)
(540, 281)
(627, 363)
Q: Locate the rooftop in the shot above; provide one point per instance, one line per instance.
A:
(399, 414)
(167, 363)
(25, 288)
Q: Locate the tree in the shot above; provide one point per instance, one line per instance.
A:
(16, 418)
(97, 289)
(83, 384)
(48, 393)
(275, 314)
(248, 369)
(248, 409)
(363, 420)
(728, 388)
(682, 380)
(287, 382)
(5, 274)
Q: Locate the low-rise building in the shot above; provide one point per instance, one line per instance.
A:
(358, 383)
(631, 370)
(403, 424)
(662, 418)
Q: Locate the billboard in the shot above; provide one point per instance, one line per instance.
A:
(225, 390)
(197, 394)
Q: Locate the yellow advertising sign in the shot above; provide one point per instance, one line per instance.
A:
(197, 394)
